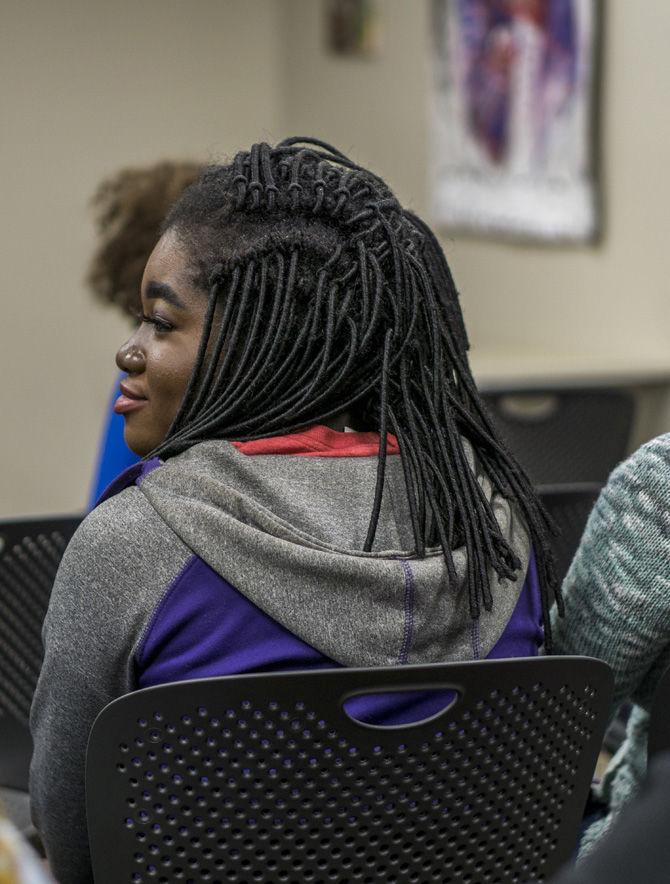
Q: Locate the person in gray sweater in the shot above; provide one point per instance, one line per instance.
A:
(617, 607)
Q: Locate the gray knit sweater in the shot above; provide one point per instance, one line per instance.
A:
(617, 599)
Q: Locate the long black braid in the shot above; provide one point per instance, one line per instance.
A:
(325, 296)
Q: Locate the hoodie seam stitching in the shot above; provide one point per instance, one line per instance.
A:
(475, 640)
(408, 613)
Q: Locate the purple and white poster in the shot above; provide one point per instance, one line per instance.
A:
(512, 117)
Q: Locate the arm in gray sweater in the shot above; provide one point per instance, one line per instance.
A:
(617, 603)
(617, 591)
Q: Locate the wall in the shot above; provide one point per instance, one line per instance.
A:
(92, 87)
(612, 299)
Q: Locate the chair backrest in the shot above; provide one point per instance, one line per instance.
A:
(659, 721)
(564, 435)
(30, 552)
(569, 506)
(265, 778)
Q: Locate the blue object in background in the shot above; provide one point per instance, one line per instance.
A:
(114, 456)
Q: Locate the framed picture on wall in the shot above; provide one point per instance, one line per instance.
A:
(513, 117)
(352, 27)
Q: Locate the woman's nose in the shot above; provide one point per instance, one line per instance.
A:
(130, 357)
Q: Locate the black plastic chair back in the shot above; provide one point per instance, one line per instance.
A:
(265, 778)
(30, 552)
(659, 722)
(569, 506)
(564, 436)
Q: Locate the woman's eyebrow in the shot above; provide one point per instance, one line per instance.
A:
(165, 292)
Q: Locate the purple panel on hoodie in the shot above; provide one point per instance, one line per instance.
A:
(204, 627)
(524, 634)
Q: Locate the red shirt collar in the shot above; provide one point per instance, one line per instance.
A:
(320, 441)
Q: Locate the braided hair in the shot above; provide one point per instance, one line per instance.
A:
(326, 296)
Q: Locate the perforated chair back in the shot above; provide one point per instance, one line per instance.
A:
(265, 778)
(30, 552)
(659, 722)
(569, 506)
(564, 436)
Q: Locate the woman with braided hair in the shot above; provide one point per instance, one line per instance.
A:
(320, 485)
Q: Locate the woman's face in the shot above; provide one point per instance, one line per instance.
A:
(160, 355)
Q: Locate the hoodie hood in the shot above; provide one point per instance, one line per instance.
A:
(287, 532)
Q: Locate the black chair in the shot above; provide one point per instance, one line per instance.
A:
(659, 720)
(265, 778)
(30, 552)
(564, 436)
(569, 506)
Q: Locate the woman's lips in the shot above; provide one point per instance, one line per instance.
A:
(124, 404)
(129, 401)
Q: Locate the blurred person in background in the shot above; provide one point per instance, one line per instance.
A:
(19, 864)
(129, 208)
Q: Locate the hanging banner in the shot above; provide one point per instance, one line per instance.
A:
(513, 117)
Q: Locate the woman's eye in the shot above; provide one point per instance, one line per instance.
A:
(161, 325)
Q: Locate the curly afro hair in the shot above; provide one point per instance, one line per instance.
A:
(129, 208)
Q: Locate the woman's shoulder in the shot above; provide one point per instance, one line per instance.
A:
(122, 546)
(636, 498)
(648, 468)
(125, 522)
(626, 542)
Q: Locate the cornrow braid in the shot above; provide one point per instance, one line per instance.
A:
(326, 296)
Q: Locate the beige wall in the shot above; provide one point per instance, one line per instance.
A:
(94, 86)
(89, 86)
(614, 298)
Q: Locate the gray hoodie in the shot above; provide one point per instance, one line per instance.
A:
(286, 533)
